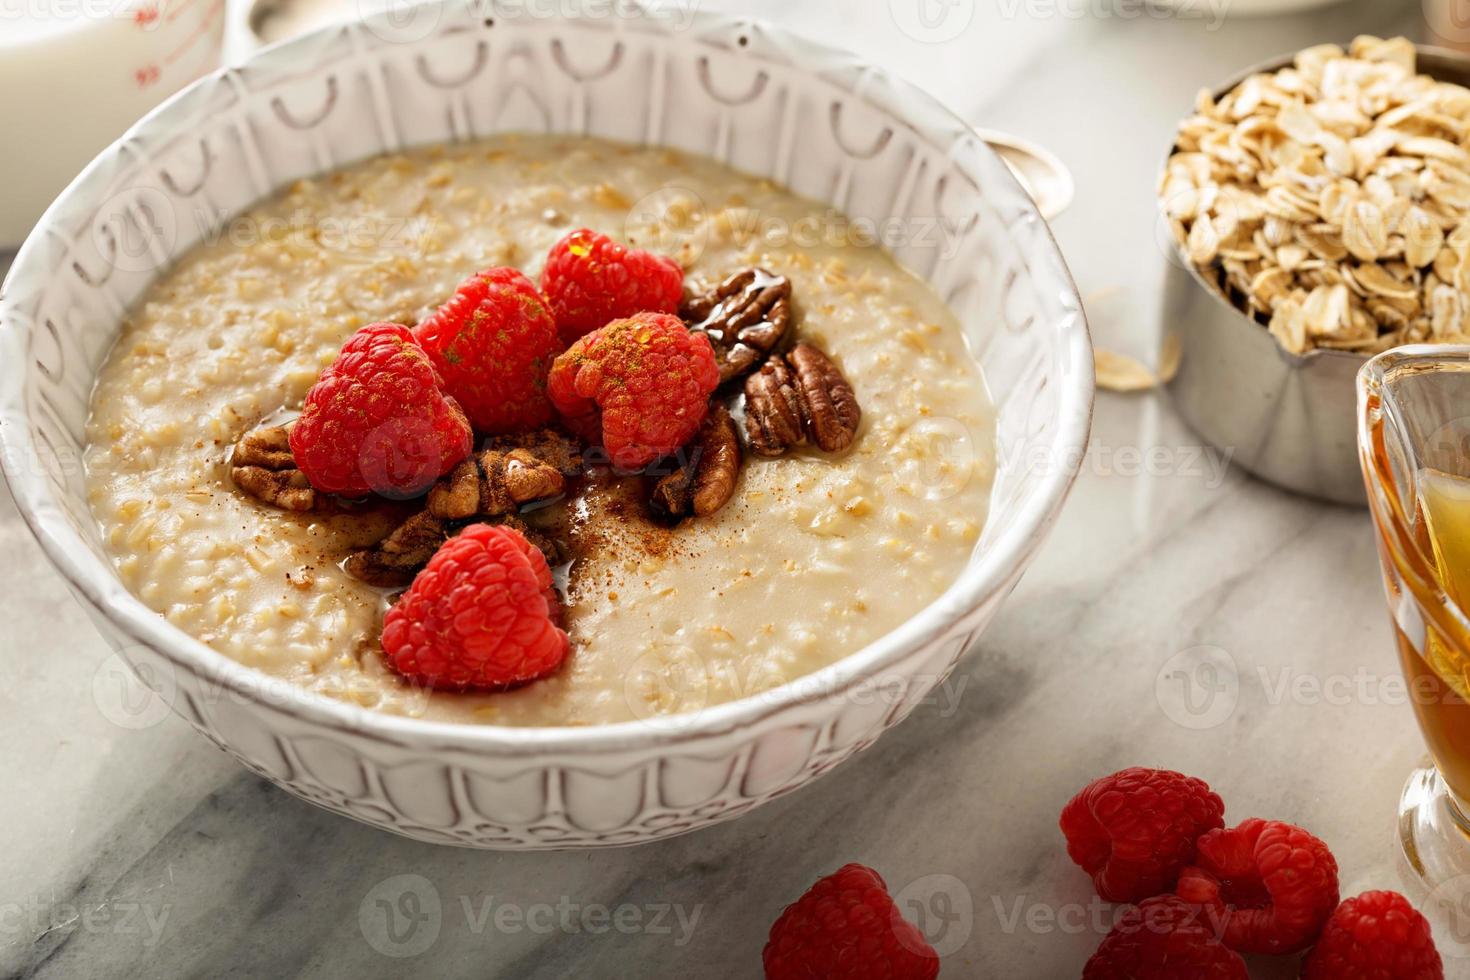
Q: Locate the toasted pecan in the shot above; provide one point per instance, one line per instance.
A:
(397, 558)
(262, 466)
(400, 556)
(548, 445)
(706, 480)
(798, 396)
(493, 483)
(773, 411)
(832, 411)
(745, 317)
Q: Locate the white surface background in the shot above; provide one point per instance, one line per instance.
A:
(146, 852)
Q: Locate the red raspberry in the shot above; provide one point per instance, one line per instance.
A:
(591, 281)
(1163, 938)
(846, 927)
(1376, 936)
(537, 558)
(480, 615)
(1135, 830)
(377, 421)
(494, 342)
(1268, 886)
(638, 386)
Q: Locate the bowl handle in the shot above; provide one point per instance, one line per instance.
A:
(1044, 177)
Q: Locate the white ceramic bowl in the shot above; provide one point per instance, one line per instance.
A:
(754, 96)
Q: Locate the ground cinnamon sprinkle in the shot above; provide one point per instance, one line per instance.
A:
(606, 515)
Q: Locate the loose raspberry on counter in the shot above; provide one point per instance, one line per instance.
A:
(1134, 831)
(846, 927)
(1163, 938)
(1268, 886)
(493, 342)
(640, 387)
(378, 421)
(481, 615)
(1376, 936)
(592, 280)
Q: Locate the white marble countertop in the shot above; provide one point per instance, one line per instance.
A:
(148, 852)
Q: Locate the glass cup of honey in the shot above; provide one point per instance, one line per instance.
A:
(1414, 443)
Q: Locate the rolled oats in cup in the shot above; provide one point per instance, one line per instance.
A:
(1330, 199)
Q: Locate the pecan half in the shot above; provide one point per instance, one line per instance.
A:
(773, 409)
(261, 465)
(490, 486)
(707, 479)
(397, 558)
(494, 482)
(832, 412)
(744, 317)
(400, 556)
(802, 394)
(548, 445)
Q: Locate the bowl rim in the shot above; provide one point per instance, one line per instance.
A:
(1177, 256)
(991, 576)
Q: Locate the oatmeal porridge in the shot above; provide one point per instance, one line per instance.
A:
(814, 555)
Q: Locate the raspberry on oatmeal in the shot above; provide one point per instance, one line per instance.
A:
(639, 387)
(378, 420)
(493, 342)
(592, 280)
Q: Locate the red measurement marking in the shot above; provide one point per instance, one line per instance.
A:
(146, 16)
(177, 8)
(146, 76)
(205, 24)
